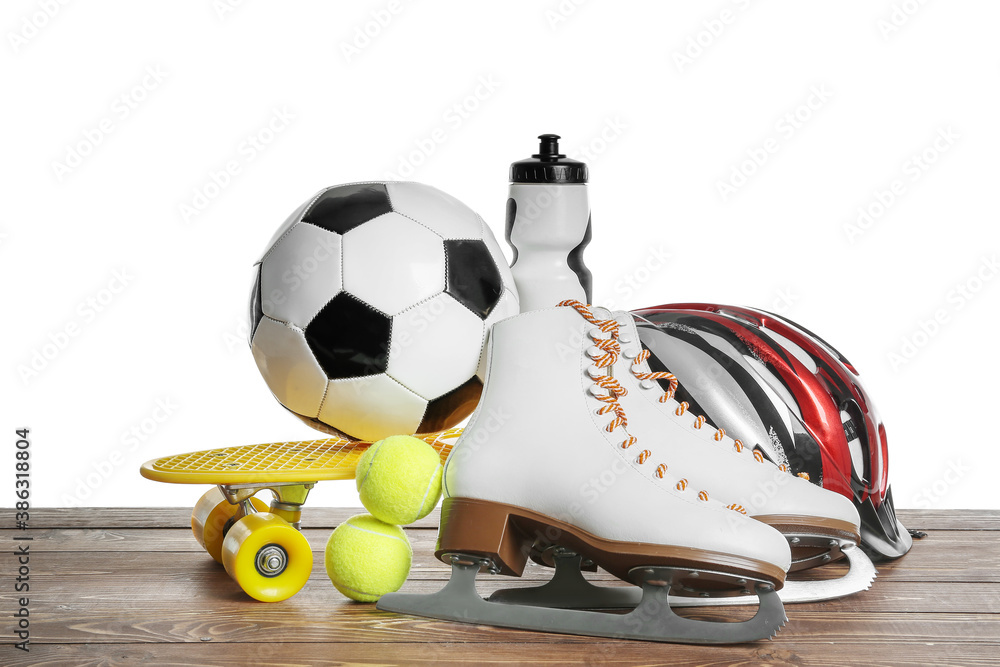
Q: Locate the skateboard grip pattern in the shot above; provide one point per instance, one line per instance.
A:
(294, 461)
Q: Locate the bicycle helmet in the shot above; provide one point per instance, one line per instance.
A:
(786, 391)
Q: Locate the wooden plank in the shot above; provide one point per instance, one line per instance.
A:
(915, 654)
(190, 574)
(107, 590)
(950, 519)
(177, 517)
(326, 517)
(209, 586)
(143, 597)
(139, 620)
(942, 556)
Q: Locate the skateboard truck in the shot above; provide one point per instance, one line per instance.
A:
(287, 498)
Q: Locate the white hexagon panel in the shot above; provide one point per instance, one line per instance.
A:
(300, 274)
(436, 209)
(371, 408)
(392, 262)
(287, 224)
(435, 346)
(288, 366)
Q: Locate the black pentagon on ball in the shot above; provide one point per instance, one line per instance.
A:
(256, 312)
(349, 338)
(453, 407)
(342, 208)
(472, 276)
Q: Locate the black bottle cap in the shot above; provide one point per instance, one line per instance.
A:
(548, 165)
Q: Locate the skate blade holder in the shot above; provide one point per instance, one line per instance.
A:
(813, 550)
(568, 588)
(651, 619)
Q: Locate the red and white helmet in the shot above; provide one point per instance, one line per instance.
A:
(773, 383)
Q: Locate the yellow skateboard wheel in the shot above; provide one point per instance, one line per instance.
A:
(268, 558)
(211, 518)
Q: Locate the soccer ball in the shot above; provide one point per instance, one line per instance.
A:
(371, 306)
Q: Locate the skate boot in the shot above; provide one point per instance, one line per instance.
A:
(821, 526)
(549, 463)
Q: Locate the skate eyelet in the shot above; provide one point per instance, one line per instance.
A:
(597, 334)
(647, 384)
(595, 372)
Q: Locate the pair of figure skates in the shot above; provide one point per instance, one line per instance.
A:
(579, 457)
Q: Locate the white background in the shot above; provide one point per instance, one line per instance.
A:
(666, 98)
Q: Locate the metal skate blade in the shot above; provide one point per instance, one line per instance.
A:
(568, 589)
(651, 620)
(858, 578)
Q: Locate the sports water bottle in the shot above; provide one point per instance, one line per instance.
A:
(548, 227)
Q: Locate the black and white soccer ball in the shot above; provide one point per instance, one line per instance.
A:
(371, 307)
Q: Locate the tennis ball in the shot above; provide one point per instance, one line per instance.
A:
(399, 479)
(366, 558)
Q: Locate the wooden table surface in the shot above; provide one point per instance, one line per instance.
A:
(129, 586)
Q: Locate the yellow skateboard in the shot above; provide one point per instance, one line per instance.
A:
(260, 544)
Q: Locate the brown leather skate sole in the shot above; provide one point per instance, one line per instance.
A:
(817, 541)
(505, 534)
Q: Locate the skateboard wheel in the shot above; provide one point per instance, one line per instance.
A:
(212, 517)
(268, 558)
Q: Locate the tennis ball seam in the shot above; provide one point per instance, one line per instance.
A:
(423, 501)
(357, 590)
(371, 461)
(375, 532)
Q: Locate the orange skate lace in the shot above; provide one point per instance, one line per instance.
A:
(682, 407)
(610, 351)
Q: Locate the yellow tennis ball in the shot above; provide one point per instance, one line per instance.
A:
(399, 479)
(366, 558)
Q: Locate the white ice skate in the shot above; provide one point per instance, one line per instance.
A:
(549, 461)
(821, 526)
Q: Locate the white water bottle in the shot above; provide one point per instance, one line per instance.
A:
(548, 227)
